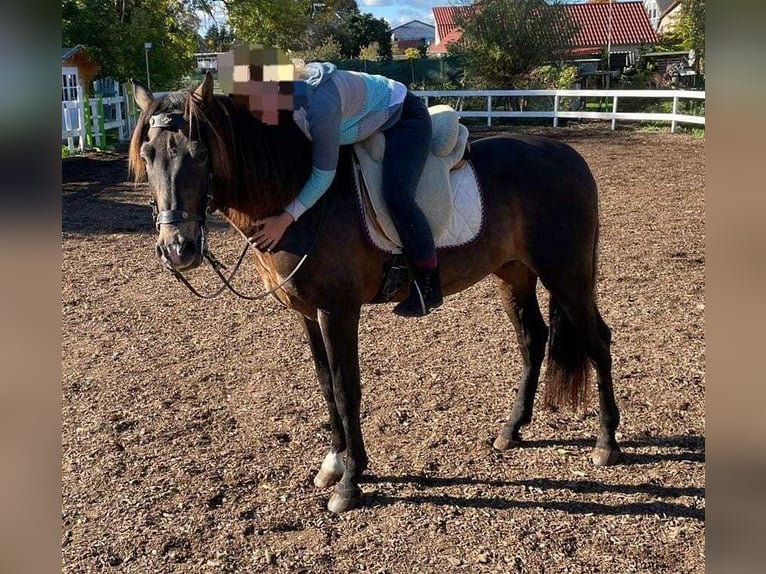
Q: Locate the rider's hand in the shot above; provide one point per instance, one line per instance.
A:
(269, 231)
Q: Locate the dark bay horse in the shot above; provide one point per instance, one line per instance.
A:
(541, 222)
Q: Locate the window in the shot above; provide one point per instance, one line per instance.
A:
(69, 81)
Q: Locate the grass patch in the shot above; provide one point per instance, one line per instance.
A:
(696, 132)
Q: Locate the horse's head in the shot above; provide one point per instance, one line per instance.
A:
(166, 148)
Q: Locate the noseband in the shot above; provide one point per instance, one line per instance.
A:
(167, 216)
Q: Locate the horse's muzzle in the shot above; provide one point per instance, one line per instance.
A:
(180, 255)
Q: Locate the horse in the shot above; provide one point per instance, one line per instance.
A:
(541, 223)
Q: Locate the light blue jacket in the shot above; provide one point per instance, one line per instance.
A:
(343, 108)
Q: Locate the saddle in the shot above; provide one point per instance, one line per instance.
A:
(448, 192)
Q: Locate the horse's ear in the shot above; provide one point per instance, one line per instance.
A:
(205, 90)
(141, 94)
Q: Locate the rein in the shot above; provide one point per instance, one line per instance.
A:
(169, 216)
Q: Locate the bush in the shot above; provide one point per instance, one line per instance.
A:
(327, 51)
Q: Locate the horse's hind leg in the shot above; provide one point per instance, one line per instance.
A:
(332, 467)
(607, 451)
(516, 285)
(583, 326)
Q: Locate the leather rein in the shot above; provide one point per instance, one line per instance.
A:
(176, 120)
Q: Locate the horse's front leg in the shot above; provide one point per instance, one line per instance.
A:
(332, 467)
(340, 333)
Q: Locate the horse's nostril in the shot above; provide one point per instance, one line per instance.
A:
(188, 249)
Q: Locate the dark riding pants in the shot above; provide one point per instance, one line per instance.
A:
(407, 145)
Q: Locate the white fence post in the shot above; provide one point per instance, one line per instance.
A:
(556, 110)
(614, 113)
(67, 118)
(489, 111)
(675, 111)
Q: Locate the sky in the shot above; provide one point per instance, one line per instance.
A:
(396, 12)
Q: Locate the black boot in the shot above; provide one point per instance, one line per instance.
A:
(425, 294)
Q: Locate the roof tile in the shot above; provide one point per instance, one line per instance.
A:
(629, 24)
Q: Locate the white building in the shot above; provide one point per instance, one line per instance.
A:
(413, 34)
(663, 14)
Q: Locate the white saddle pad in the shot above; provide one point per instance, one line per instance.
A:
(455, 214)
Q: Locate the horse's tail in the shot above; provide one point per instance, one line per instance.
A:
(568, 368)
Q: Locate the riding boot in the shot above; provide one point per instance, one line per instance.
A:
(425, 294)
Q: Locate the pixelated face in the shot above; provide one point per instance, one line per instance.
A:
(261, 79)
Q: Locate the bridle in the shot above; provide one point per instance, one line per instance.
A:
(175, 121)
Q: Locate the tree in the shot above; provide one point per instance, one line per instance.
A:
(287, 24)
(218, 39)
(115, 32)
(276, 23)
(505, 39)
(370, 52)
(412, 54)
(328, 50)
(360, 30)
(691, 29)
(326, 24)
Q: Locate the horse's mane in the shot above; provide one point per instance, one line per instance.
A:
(257, 168)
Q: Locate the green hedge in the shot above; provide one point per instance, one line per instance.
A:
(420, 74)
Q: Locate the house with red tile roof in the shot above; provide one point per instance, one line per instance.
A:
(445, 18)
(621, 27)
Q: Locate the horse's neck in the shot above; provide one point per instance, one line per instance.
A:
(283, 159)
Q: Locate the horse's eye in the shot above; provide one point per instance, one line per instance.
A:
(147, 152)
(198, 152)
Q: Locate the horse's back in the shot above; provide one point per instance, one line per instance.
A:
(547, 172)
(543, 191)
(534, 159)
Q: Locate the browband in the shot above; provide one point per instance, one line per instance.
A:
(173, 120)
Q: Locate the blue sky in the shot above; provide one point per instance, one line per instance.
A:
(400, 11)
(396, 12)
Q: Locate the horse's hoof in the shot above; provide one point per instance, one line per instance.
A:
(605, 456)
(503, 443)
(326, 479)
(341, 503)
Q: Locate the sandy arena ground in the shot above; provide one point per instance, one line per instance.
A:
(192, 429)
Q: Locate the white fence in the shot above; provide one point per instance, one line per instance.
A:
(115, 113)
(119, 112)
(577, 97)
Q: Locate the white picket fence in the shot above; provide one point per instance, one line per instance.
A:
(118, 114)
(456, 98)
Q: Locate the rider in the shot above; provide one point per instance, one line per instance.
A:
(345, 108)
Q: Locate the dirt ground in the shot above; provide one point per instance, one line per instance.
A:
(192, 430)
